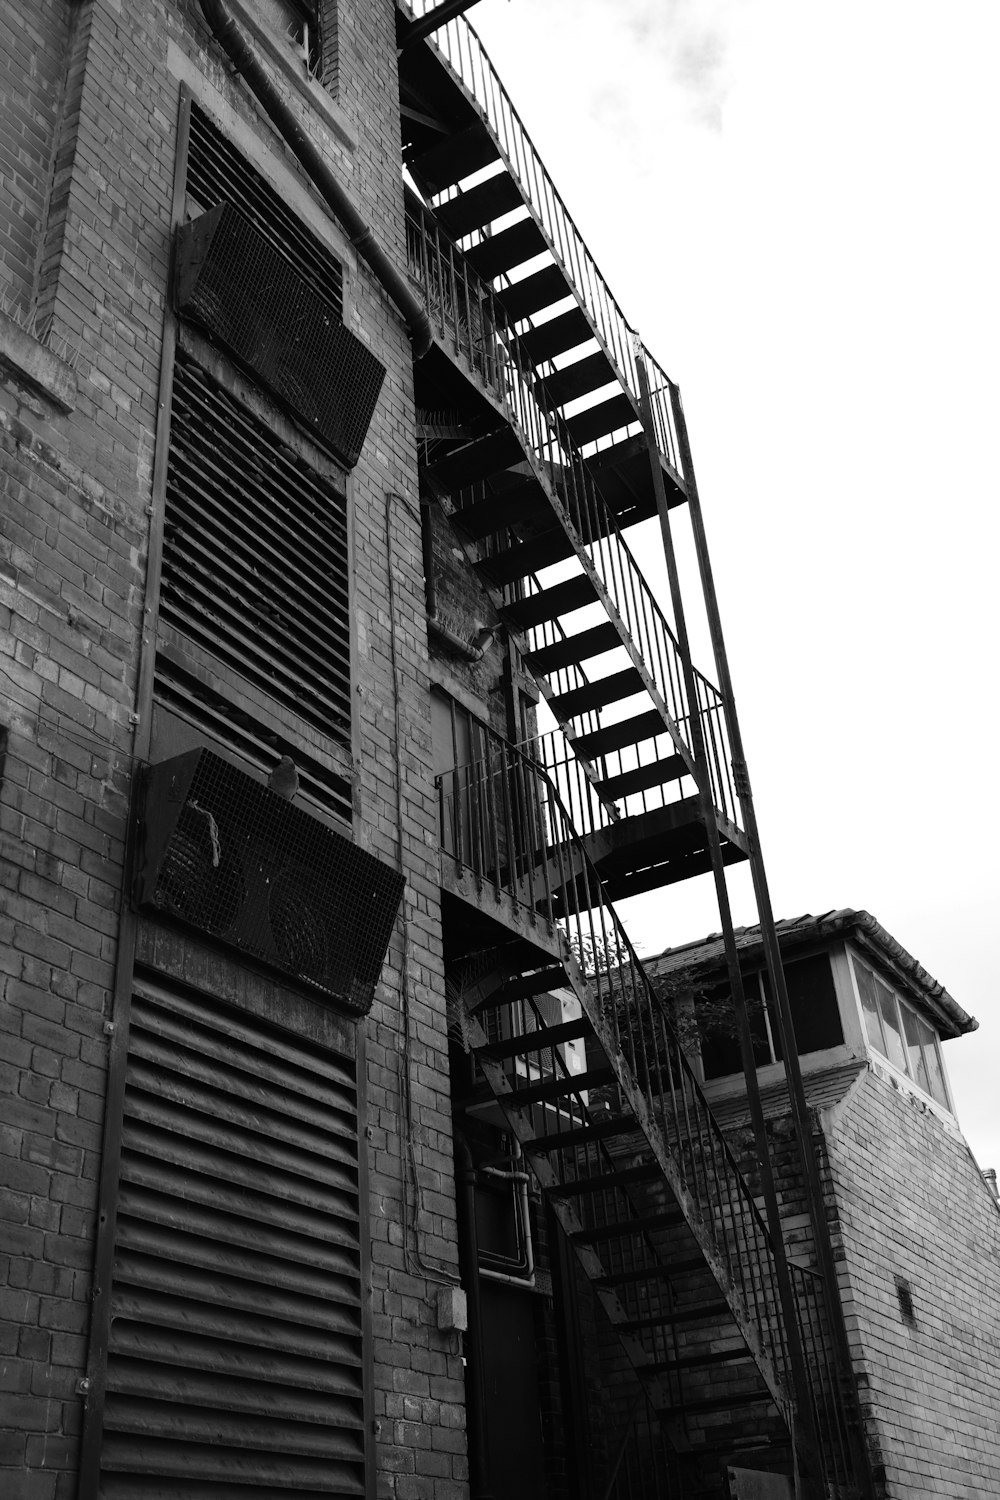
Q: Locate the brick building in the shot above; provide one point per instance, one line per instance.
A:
(346, 1147)
(915, 1223)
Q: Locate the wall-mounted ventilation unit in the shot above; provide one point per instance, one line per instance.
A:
(232, 281)
(227, 856)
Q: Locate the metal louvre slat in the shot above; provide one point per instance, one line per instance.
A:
(202, 496)
(150, 1379)
(226, 1308)
(250, 1151)
(307, 503)
(257, 1476)
(196, 1424)
(270, 598)
(157, 1161)
(313, 499)
(235, 1358)
(335, 1118)
(275, 1072)
(272, 1256)
(152, 1344)
(214, 1105)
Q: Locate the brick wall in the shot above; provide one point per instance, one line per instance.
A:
(33, 51)
(95, 194)
(912, 1205)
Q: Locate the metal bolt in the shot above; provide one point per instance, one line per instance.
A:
(83, 1386)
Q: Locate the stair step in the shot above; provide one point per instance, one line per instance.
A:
(521, 987)
(655, 1273)
(601, 1233)
(617, 736)
(642, 778)
(558, 1088)
(723, 1402)
(597, 694)
(537, 1041)
(552, 603)
(533, 292)
(603, 1182)
(457, 156)
(694, 1314)
(582, 1135)
(477, 460)
(578, 379)
(574, 649)
(606, 416)
(502, 252)
(527, 557)
(521, 502)
(564, 331)
(479, 205)
(701, 1361)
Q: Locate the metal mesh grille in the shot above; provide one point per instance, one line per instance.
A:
(218, 173)
(232, 280)
(235, 860)
(255, 564)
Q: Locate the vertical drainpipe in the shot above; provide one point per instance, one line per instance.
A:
(468, 1261)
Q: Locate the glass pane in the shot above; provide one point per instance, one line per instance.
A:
(894, 1049)
(935, 1069)
(916, 1034)
(869, 1005)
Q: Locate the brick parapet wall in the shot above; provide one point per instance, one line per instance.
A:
(77, 487)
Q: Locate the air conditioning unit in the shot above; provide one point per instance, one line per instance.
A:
(222, 853)
(232, 281)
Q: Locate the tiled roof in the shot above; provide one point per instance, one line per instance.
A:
(823, 1088)
(709, 953)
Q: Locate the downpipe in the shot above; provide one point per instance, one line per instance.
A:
(244, 60)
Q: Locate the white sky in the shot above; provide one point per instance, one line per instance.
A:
(797, 206)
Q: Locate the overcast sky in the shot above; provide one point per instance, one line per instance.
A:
(797, 206)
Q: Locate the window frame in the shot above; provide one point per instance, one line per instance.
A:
(903, 1012)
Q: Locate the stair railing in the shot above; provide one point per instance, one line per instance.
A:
(464, 310)
(503, 822)
(460, 47)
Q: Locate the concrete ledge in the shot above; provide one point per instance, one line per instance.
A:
(45, 371)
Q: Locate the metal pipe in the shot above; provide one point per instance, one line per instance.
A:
(468, 1259)
(360, 234)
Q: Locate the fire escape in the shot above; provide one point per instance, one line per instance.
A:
(549, 434)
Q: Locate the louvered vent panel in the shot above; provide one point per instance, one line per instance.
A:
(218, 173)
(189, 697)
(235, 1358)
(255, 562)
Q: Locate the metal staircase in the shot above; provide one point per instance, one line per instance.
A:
(638, 1173)
(547, 431)
(551, 553)
(472, 157)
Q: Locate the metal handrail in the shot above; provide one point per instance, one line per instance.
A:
(503, 821)
(464, 311)
(460, 48)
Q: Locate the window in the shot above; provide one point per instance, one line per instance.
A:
(901, 1036)
(815, 1016)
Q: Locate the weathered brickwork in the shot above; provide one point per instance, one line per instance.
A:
(911, 1205)
(33, 55)
(89, 143)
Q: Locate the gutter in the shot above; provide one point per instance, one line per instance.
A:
(360, 234)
